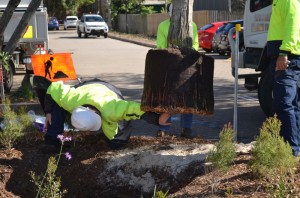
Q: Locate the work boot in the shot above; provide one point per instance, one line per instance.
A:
(186, 133)
(161, 133)
(51, 145)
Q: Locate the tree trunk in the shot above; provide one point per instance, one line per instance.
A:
(179, 79)
(181, 28)
(5, 18)
(105, 12)
(13, 41)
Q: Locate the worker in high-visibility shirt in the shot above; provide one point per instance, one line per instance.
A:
(93, 105)
(283, 48)
(161, 43)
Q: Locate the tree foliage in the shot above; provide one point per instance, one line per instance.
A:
(129, 7)
(60, 8)
(238, 5)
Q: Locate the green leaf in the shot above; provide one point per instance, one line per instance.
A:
(4, 59)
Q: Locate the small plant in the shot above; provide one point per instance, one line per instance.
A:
(223, 156)
(4, 59)
(229, 192)
(27, 92)
(284, 187)
(158, 194)
(13, 125)
(49, 184)
(273, 159)
(272, 156)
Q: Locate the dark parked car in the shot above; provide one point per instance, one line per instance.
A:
(206, 34)
(217, 38)
(53, 23)
(224, 46)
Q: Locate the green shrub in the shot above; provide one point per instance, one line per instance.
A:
(4, 59)
(272, 156)
(223, 156)
(48, 185)
(27, 92)
(284, 187)
(13, 125)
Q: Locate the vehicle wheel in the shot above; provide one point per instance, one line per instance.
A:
(85, 35)
(65, 28)
(79, 33)
(265, 95)
(222, 53)
(105, 35)
(8, 78)
(207, 50)
(242, 47)
(98, 35)
(57, 28)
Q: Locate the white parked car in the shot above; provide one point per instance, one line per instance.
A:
(70, 22)
(92, 24)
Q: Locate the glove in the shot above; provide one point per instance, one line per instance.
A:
(151, 117)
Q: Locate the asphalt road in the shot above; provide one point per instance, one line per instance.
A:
(122, 63)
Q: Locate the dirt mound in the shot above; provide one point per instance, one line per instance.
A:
(170, 164)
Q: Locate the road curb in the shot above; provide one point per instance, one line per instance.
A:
(132, 41)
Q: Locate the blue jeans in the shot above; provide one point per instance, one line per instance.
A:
(185, 122)
(285, 102)
(58, 120)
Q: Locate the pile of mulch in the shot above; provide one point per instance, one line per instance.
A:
(80, 175)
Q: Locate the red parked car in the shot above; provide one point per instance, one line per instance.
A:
(206, 34)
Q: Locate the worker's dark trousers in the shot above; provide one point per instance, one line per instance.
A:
(58, 120)
(285, 102)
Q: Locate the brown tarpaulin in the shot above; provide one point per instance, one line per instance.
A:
(178, 81)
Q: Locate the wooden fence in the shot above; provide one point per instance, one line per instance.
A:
(147, 24)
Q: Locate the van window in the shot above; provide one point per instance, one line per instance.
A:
(259, 4)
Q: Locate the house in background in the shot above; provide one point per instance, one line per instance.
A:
(211, 5)
(198, 4)
(158, 5)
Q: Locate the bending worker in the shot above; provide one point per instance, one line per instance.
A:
(93, 105)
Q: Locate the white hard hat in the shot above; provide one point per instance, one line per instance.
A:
(85, 119)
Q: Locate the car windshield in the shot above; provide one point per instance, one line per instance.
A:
(206, 27)
(94, 19)
(52, 19)
(231, 25)
(228, 27)
(221, 28)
